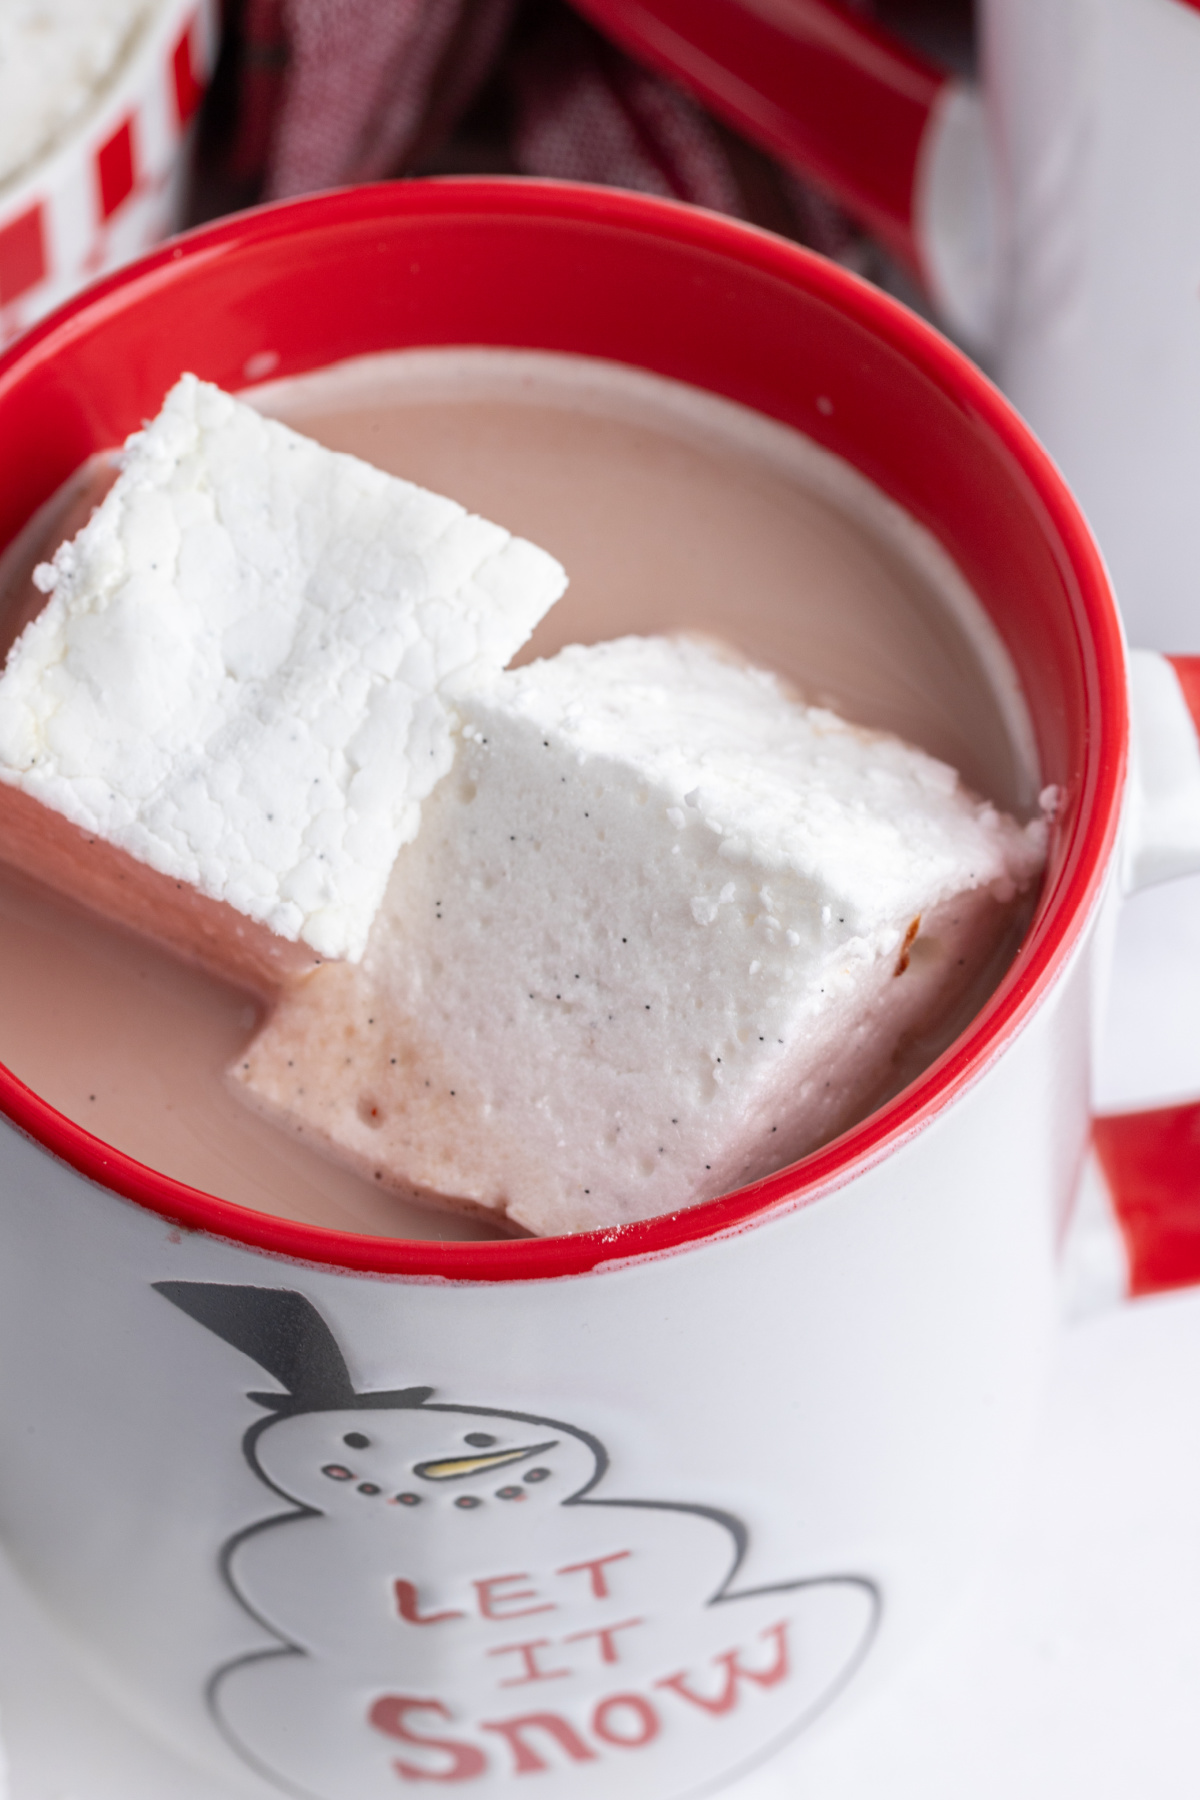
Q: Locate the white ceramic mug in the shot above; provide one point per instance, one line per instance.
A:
(1054, 218)
(339, 1515)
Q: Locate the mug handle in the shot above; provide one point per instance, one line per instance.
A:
(898, 141)
(1137, 1224)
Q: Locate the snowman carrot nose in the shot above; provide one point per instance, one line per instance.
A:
(454, 1466)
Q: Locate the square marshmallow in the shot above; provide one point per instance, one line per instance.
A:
(663, 930)
(240, 678)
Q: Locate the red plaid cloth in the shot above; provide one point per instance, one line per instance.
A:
(585, 112)
(337, 91)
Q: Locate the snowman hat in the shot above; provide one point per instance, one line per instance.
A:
(286, 1336)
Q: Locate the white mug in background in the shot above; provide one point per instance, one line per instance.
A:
(336, 1514)
(1054, 218)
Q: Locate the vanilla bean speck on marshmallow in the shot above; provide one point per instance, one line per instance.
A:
(663, 929)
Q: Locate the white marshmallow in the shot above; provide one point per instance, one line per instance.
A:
(240, 678)
(651, 942)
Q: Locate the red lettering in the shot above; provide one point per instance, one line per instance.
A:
(608, 1650)
(388, 1715)
(647, 1725)
(489, 1601)
(532, 1672)
(596, 1569)
(409, 1607)
(730, 1694)
(527, 1760)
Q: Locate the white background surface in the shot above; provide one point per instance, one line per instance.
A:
(1073, 1667)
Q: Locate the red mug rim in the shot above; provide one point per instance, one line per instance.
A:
(651, 228)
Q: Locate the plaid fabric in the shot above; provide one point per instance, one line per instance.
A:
(585, 112)
(337, 91)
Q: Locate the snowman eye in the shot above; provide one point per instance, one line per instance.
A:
(356, 1440)
(479, 1439)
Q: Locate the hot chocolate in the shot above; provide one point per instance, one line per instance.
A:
(670, 509)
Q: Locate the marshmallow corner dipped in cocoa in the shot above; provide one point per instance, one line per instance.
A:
(662, 929)
(220, 726)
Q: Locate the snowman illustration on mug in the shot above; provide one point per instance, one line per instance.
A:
(449, 1596)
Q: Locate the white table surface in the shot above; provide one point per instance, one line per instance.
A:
(1070, 1672)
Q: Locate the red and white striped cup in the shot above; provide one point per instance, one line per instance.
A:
(114, 185)
(338, 1514)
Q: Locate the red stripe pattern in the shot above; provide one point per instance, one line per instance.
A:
(112, 188)
(189, 88)
(1187, 668)
(807, 81)
(1151, 1161)
(115, 169)
(22, 254)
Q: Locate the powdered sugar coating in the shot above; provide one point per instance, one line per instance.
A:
(241, 674)
(881, 827)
